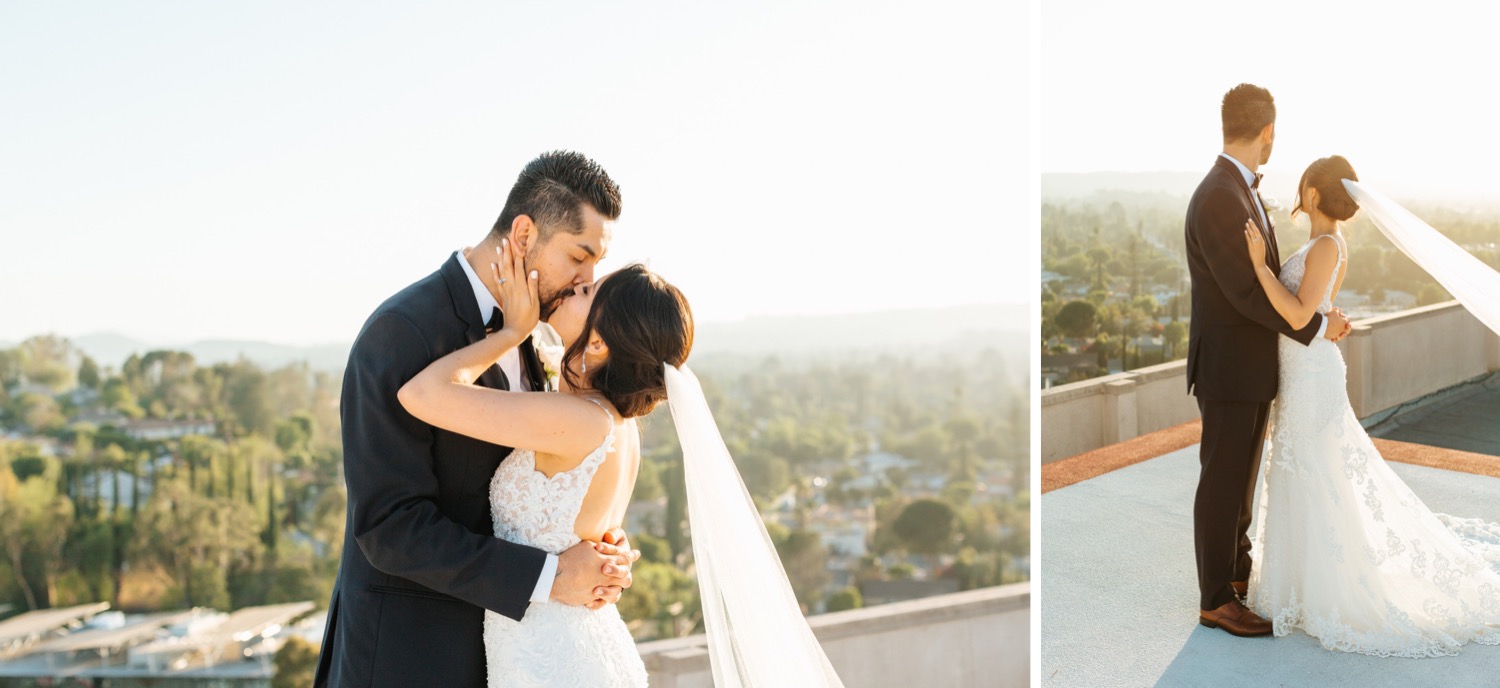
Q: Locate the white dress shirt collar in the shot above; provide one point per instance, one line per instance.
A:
(1244, 171)
(482, 295)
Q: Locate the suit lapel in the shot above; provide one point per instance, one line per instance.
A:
(466, 309)
(1261, 219)
(1273, 251)
(531, 367)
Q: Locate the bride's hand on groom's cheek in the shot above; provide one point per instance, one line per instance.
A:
(518, 289)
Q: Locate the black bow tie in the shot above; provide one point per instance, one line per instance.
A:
(496, 321)
(1256, 184)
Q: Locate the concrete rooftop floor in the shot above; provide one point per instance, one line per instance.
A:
(1119, 595)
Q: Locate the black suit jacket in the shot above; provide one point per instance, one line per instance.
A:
(420, 562)
(1232, 336)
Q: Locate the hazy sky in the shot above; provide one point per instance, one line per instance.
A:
(1406, 92)
(176, 171)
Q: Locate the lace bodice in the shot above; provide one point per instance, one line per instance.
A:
(530, 508)
(554, 644)
(1296, 266)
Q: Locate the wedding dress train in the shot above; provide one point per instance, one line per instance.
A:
(1346, 552)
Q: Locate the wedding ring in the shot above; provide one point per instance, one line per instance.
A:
(502, 281)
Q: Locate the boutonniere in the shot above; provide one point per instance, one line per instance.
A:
(550, 350)
(1271, 204)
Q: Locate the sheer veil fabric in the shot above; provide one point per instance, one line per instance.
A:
(757, 636)
(1475, 285)
(1468, 279)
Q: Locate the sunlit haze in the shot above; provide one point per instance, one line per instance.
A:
(273, 171)
(1404, 91)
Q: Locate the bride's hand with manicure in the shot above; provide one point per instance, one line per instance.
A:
(1254, 244)
(518, 290)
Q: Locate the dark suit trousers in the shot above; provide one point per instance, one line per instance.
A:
(1229, 456)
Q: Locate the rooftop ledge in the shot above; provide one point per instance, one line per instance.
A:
(972, 638)
(1397, 363)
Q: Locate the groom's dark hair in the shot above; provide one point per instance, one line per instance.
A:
(1247, 109)
(552, 187)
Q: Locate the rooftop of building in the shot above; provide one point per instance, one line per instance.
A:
(1119, 597)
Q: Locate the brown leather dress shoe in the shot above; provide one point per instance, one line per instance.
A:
(1236, 619)
(1240, 588)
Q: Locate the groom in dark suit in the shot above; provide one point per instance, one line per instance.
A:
(421, 562)
(1232, 361)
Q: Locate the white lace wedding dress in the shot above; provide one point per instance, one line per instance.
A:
(1347, 552)
(554, 644)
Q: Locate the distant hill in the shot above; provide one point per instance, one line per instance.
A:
(965, 327)
(1061, 185)
(957, 328)
(112, 350)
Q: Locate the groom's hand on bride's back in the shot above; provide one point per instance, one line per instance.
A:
(593, 574)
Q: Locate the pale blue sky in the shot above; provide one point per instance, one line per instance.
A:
(176, 171)
(1404, 90)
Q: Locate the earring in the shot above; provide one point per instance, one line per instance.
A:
(585, 362)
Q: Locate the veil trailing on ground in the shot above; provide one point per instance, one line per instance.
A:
(757, 636)
(1468, 279)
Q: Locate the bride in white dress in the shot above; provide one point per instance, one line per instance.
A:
(573, 470)
(1348, 553)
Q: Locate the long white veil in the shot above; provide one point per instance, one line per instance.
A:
(757, 636)
(1468, 279)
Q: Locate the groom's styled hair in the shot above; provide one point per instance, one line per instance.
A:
(1246, 110)
(550, 190)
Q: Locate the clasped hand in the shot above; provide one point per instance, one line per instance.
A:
(1338, 325)
(593, 574)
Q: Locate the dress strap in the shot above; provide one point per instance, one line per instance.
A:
(1339, 245)
(608, 417)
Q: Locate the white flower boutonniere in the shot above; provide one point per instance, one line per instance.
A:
(550, 350)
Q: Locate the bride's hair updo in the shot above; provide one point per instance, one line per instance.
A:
(1327, 175)
(645, 322)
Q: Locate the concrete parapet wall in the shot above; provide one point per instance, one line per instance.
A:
(1086, 415)
(1397, 358)
(1392, 359)
(972, 638)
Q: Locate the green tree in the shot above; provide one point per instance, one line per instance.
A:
(848, 598)
(34, 523)
(1432, 293)
(88, 374)
(195, 541)
(1176, 336)
(117, 396)
(47, 360)
(296, 662)
(1076, 319)
(926, 526)
(806, 563)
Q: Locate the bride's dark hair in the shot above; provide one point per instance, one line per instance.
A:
(645, 322)
(1327, 175)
